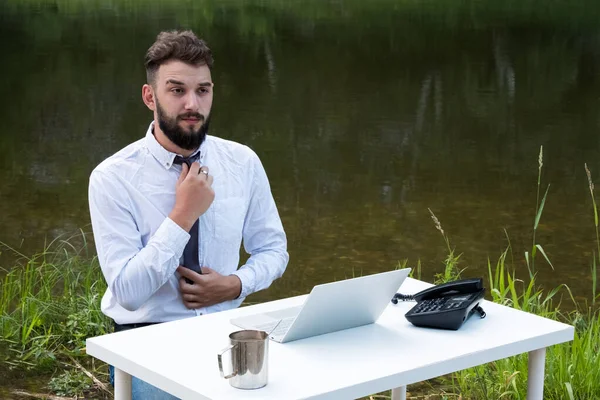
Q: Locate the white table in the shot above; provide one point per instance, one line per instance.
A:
(181, 357)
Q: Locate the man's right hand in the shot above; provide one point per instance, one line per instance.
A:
(193, 195)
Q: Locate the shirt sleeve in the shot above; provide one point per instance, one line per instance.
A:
(132, 271)
(264, 237)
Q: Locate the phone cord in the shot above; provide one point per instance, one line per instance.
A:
(482, 313)
(403, 297)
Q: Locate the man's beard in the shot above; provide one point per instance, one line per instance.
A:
(186, 139)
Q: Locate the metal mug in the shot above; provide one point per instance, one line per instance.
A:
(249, 359)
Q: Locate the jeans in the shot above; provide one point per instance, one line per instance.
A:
(141, 390)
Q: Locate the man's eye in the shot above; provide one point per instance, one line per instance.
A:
(177, 90)
(203, 90)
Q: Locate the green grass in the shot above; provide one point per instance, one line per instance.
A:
(49, 305)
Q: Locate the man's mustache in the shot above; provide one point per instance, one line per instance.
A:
(192, 115)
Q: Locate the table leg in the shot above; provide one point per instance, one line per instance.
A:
(535, 379)
(122, 385)
(399, 393)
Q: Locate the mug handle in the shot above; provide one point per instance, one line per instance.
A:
(220, 359)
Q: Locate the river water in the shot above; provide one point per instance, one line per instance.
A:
(365, 115)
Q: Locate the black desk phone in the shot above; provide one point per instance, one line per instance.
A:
(445, 306)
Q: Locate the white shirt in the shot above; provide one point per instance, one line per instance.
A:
(139, 248)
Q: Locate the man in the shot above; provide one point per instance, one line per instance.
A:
(154, 208)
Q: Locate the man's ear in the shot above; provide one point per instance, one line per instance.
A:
(148, 96)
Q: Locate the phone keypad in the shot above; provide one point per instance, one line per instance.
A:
(437, 305)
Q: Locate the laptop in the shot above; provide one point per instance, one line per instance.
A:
(330, 307)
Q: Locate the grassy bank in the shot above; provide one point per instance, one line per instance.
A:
(50, 303)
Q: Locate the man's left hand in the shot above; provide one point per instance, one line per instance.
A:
(207, 288)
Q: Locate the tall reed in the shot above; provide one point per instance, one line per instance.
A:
(451, 271)
(596, 253)
(539, 207)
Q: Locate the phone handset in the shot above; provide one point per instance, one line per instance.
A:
(445, 289)
(463, 286)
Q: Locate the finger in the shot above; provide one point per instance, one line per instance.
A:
(183, 174)
(206, 270)
(209, 180)
(189, 274)
(192, 305)
(185, 287)
(189, 298)
(203, 173)
(194, 168)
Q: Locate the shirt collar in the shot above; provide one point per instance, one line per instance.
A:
(162, 155)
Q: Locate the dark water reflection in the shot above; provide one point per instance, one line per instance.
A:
(365, 114)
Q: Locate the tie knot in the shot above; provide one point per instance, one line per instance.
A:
(188, 160)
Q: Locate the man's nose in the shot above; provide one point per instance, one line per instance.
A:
(192, 102)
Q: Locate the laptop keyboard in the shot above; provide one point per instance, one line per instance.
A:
(281, 329)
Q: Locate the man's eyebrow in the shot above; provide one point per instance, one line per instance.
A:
(176, 82)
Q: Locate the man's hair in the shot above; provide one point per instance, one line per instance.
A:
(176, 45)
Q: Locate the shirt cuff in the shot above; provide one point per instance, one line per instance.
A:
(247, 278)
(173, 236)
